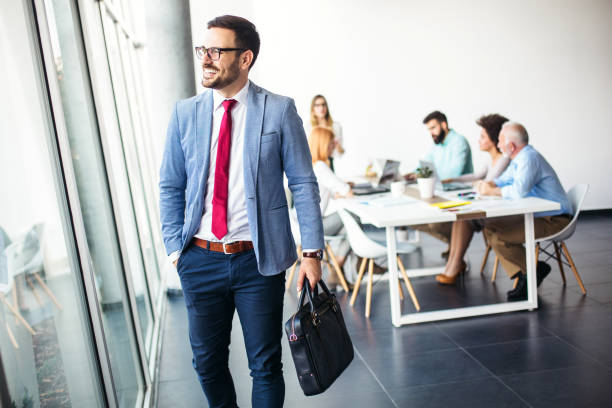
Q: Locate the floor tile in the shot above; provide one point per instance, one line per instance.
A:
(398, 342)
(485, 392)
(534, 354)
(601, 292)
(181, 394)
(491, 329)
(428, 368)
(594, 342)
(583, 386)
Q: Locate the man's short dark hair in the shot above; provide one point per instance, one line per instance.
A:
(492, 124)
(437, 115)
(246, 34)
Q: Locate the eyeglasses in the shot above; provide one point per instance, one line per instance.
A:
(214, 53)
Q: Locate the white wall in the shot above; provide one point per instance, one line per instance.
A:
(384, 65)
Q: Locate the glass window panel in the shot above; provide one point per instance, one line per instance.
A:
(141, 164)
(140, 239)
(46, 345)
(98, 216)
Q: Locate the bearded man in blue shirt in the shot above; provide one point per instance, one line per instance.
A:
(528, 175)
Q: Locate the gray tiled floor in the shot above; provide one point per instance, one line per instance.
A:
(555, 356)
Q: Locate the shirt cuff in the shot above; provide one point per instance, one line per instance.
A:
(507, 192)
(174, 256)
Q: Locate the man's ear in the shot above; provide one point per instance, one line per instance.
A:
(444, 126)
(246, 58)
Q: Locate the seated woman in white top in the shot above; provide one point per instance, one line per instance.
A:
(320, 116)
(462, 231)
(321, 142)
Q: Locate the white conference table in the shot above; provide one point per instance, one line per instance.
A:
(390, 213)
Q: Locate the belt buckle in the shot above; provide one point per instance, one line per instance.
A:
(225, 250)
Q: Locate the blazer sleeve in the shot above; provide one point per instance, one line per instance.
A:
(172, 183)
(302, 181)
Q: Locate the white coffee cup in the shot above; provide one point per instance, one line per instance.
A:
(398, 188)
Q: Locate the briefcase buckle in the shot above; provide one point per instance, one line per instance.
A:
(315, 319)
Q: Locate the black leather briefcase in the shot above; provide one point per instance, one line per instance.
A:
(320, 345)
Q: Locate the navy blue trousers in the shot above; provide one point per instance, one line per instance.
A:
(214, 285)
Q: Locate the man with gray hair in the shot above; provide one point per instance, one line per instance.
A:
(528, 175)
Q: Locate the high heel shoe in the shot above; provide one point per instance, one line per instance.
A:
(451, 280)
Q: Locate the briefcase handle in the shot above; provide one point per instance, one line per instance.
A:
(306, 290)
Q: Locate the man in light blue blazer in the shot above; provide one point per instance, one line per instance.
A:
(224, 213)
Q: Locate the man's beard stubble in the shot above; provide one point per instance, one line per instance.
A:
(220, 82)
(439, 138)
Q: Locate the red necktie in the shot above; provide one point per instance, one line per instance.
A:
(219, 201)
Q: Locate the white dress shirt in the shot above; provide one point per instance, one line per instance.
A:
(237, 219)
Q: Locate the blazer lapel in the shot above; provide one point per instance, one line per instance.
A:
(204, 110)
(252, 137)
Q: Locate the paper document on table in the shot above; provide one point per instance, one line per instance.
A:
(389, 201)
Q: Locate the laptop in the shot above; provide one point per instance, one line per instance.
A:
(439, 184)
(389, 171)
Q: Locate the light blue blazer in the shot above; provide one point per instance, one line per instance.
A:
(274, 143)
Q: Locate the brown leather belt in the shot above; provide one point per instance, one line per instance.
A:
(232, 248)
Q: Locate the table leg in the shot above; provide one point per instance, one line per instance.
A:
(393, 276)
(532, 287)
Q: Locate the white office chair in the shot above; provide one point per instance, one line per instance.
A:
(576, 197)
(329, 258)
(368, 249)
(9, 286)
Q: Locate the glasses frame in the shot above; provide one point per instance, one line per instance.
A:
(202, 50)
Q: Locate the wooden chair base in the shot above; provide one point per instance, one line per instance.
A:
(370, 281)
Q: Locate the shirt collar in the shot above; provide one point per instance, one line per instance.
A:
(241, 97)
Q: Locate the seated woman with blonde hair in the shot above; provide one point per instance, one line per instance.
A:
(321, 143)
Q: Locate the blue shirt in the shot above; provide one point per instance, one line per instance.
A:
(451, 158)
(530, 175)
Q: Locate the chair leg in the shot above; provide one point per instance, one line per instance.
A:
(15, 301)
(484, 260)
(401, 291)
(33, 289)
(17, 314)
(332, 256)
(47, 291)
(364, 261)
(560, 261)
(515, 283)
(408, 284)
(495, 266)
(369, 292)
(537, 253)
(11, 336)
(571, 262)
